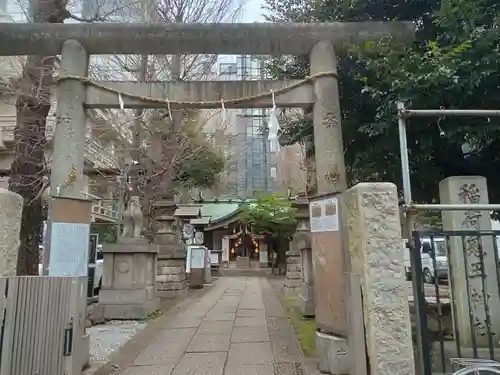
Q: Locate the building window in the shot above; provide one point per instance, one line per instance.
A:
(228, 68)
(273, 172)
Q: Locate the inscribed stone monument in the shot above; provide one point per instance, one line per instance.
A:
(468, 270)
(374, 236)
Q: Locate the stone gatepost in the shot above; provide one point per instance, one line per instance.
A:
(474, 286)
(373, 234)
(128, 281)
(171, 278)
(293, 279)
(11, 209)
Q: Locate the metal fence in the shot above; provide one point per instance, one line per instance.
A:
(42, 325)
(455, 300)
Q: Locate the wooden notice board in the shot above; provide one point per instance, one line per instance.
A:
(328, 264)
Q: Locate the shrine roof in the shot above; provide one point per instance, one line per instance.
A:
(219, 211)
(188, 210)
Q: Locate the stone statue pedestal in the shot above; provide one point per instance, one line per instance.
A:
(128, 282)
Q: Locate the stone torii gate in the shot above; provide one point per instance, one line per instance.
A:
(76, 94)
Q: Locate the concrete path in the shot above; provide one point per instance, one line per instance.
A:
(237, 328)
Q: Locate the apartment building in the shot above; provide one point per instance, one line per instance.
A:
(243, 135)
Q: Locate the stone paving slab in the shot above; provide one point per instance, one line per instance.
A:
(218, 316)
(184, 322)
(201, 364)
(250, 322)
(224, 310)
(237, 328)
(242, 313)
(250, 353)
(207, 342)
(168, 347)
(149, 370)
(250, 334)
(251, 306)
(216, 327)
(260, 369)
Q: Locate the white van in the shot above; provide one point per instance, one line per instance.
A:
(438, 243)
(441, 257)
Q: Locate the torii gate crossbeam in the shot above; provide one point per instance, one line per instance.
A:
(171, 39)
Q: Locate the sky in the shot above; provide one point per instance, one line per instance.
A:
(253, 11)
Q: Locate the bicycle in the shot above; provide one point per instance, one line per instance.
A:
(473, 366)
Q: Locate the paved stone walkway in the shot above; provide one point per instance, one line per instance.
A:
(237, 328)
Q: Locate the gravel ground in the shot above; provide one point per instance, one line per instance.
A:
(106, 338)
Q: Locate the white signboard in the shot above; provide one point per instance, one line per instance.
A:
(197, 257)
(324, 215)
(214, 258)
(69, 249)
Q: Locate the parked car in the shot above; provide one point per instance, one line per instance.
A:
(99, 267)
(439, 245)
(441, 271)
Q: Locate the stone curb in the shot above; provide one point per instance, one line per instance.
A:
(125, 355)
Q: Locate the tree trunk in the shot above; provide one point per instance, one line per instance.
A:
(281, 256)
(27, 169)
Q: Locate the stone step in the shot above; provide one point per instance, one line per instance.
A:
(245, 271)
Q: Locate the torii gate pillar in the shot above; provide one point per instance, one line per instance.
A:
(330, 166)
(326, 245)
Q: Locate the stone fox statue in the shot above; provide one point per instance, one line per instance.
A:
(132, 219)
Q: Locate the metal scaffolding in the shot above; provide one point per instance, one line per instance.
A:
(405, 113)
